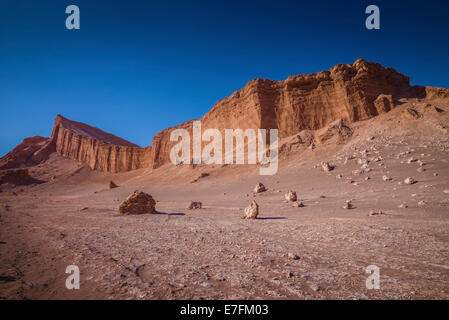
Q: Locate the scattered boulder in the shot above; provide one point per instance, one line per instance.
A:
(386, 178)
(409, 180)
(290, 196)
(194, 205)
(298, 204)
(137, 203)
(259, 188)
(252, 211)
(376, 213)
(293, 256)
(348, 205)
(327, 167)
(420, 169)
(112, 185)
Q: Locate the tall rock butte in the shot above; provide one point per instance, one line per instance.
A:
(349, 92)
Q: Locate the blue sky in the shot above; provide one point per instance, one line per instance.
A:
(139, 66)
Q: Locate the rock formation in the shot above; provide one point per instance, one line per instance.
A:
(136, 203)
(259, 188)
(30, 152)
(100, 150)
(302, 103)
(290, 196)
(16, 177)
(194, 205)
(252, 211)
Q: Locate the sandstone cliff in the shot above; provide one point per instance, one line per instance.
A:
(100, 150)
(300, 103)
(306, 102)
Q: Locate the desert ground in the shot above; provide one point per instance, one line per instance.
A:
(319, 251)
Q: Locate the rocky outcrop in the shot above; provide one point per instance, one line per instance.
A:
(346, 93)
(300, 104)
(30, 152)
(192, 205)
(100, 150)
(16, 177)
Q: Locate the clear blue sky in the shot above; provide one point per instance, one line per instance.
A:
(138, 66)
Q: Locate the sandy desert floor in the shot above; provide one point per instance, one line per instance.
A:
(212, 253)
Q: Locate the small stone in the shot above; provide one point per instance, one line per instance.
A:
(376, 213)
(293, 256)
(348, 205)
(290, 196)
(403, 206)
(298, 204)
(252, 211)
(386, 178)
(420, 169)
(446, 191)
(192, 205)
(409, 180)
(112, 185)
(327, 167)
(259, 188)
(315, 287)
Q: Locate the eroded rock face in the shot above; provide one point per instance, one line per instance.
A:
(338, 129)
(137, 203)
(252, 211)
(100, 150)
(302, 103)
(30, 152)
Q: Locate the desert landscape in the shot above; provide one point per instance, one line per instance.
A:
(363, 180)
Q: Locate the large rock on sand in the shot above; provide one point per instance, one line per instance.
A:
(252, 211)
(138, 202)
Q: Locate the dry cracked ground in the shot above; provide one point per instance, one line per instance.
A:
(212, 253)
